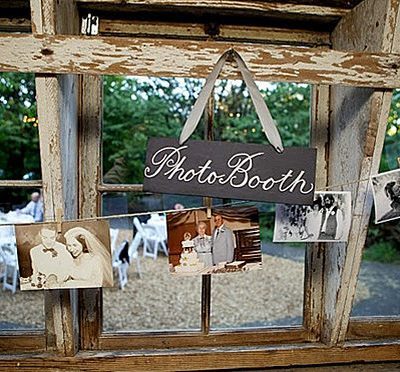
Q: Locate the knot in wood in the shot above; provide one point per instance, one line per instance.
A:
(46, 51)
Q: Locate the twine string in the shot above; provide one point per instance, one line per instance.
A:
(136, 214)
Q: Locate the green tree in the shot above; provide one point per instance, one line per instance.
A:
(289, 105)
(19, 140)
(391, 149)
(134, 111)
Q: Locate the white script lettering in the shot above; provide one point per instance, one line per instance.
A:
(170, 162)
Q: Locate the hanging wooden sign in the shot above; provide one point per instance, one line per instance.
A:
(230, 170)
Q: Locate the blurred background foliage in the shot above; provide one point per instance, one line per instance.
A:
(136, 109)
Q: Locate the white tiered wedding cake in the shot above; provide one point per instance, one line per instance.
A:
(189, 262)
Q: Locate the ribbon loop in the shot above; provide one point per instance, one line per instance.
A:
(267, 122)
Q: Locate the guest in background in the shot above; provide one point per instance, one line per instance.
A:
(203, 245)
(34, 208)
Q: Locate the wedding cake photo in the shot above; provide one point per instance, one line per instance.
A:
(228, 241)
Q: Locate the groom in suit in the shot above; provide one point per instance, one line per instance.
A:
(223, 242)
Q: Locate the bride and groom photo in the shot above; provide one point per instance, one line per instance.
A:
(78, 256)
(228, 240)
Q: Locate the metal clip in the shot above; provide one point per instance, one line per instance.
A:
(209, 215)
(90, 25)
(230, 55)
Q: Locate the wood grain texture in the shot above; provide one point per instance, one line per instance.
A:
(315, 252)
(130, 340)
(108, 187)
(263, 7)
(156, 57)
(345, 4)
(22, 341)
(193, 31)
(90, 125)
(15, 24)
(373, 328)
(358, 125)
(207, 358)
(21, 183)
(57, 104)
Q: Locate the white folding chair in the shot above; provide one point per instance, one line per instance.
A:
(152, 240)
(133, 253)
(121, 266)
(113, 239)
(10, 267)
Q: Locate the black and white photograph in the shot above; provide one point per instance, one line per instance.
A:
(74, 255)
(327, 220)
(228, 240)
(386, 190)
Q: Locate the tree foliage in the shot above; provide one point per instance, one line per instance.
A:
(19, 140)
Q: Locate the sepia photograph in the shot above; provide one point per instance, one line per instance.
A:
(327, 220)
(386, 191)
(226, 241)
(75, 256)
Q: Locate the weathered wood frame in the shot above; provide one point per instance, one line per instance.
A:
(43, 54)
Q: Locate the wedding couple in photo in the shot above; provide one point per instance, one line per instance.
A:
(327, 220)
(83, 261)
(219, 247)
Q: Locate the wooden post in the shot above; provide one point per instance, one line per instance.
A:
(357, 131)
(57, 103)
(90, 124)
(315, 253)
(206, 279)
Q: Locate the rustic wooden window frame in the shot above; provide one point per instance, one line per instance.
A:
(206, 335)
(42, 55)
(29, 340)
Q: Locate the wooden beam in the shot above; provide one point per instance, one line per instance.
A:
(21, 183)
(357, 132)
(22, 341)
(155, 340)
(90, 125)
(315, 253)
(373, 328)
(160, 57)
(57, 103)
(108, 187)
(244, 6)
(193, 31)
(208, 358)
(15, 25)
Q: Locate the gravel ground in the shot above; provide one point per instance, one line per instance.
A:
(272, 295)
(159, 301)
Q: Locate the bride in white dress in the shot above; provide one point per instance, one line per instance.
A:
(91, 260)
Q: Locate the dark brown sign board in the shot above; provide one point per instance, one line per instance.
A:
(230, 170)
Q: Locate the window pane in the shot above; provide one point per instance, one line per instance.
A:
(156, 300)
(136, 109)
(19, 136)
(379, 281)
(271, 296)
(18, 310)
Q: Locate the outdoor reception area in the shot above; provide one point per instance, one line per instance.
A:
(199, 185)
